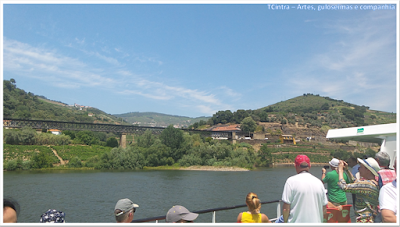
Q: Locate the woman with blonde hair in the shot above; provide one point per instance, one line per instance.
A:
(253, 215)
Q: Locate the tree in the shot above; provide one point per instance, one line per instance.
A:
(112, 142)
(264, 156)
(173, 138)
(146, 140)
(239, 115)
(248, 125)
(325, 106)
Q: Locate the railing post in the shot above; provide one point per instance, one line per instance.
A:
(278, 209)
(213, 217)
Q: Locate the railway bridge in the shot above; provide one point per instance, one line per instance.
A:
(121, 130)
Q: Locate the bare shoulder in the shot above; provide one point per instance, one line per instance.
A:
(239, 217)
(265, 218)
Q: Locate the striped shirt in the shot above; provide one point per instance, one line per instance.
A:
(385, 176)
(367, 197)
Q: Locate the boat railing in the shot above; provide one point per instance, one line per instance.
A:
(214, 210)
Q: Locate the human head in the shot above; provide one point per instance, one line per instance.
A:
(371, 165)
(180, 214)
(124, 210)
(253, 202)
(52, 216)
(10, 210)
(382, 158)
(302, 162)
(352, 161)
(334, 163)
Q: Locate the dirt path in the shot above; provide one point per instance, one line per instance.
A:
(62, 162)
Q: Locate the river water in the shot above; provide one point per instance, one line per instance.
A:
(89, 196)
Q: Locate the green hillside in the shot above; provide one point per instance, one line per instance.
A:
(158, 119)
(334, 111)
(25, 105)
(307, 110)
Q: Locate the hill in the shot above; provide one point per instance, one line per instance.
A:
(158, 119)
(19, 104)
(303, 112)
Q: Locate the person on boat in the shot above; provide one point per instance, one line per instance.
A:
(388, 200)
(253, 215)
(336, 196)
(304, 198)
(52, 216)
(10, 210)
(124, 210)
(385, 175)
(352, 162)
(366, 189)
(179, 214)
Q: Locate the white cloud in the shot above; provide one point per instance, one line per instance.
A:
(55, 69)
(359, 64)
(49, 66)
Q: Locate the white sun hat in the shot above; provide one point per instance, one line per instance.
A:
(371, 164)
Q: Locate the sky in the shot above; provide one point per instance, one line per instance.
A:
(197, 59)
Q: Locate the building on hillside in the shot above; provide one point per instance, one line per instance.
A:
(55, 131)
(222, 132)
(90, 114)
(287, 139)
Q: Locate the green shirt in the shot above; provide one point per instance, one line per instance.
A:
(335, 193)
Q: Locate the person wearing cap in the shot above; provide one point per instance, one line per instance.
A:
(179, 214)
(124, 210)
(304, 198)
(388, 200)
(10, 210)
(366, 189)
(336, 196)
(52, 216)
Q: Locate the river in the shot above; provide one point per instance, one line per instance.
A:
(89, 196)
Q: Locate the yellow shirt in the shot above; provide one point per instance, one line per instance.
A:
(248, 217)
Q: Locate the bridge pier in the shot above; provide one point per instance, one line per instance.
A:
(122, 141)
(233, 137)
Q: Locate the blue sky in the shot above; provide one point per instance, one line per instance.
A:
(196, 59)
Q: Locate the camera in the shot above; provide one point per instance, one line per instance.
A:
(326, 167)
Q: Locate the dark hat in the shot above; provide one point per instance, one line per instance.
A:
(52, 216)
(10, 202)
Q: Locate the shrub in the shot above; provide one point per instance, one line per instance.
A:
(75, 162)
(11, 165)
(112, 142)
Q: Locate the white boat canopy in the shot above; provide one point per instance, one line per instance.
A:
(383, 134)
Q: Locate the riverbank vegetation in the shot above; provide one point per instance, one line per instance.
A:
(24, 149)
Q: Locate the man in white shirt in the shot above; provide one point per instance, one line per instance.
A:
(388, 200)
(303, 195)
